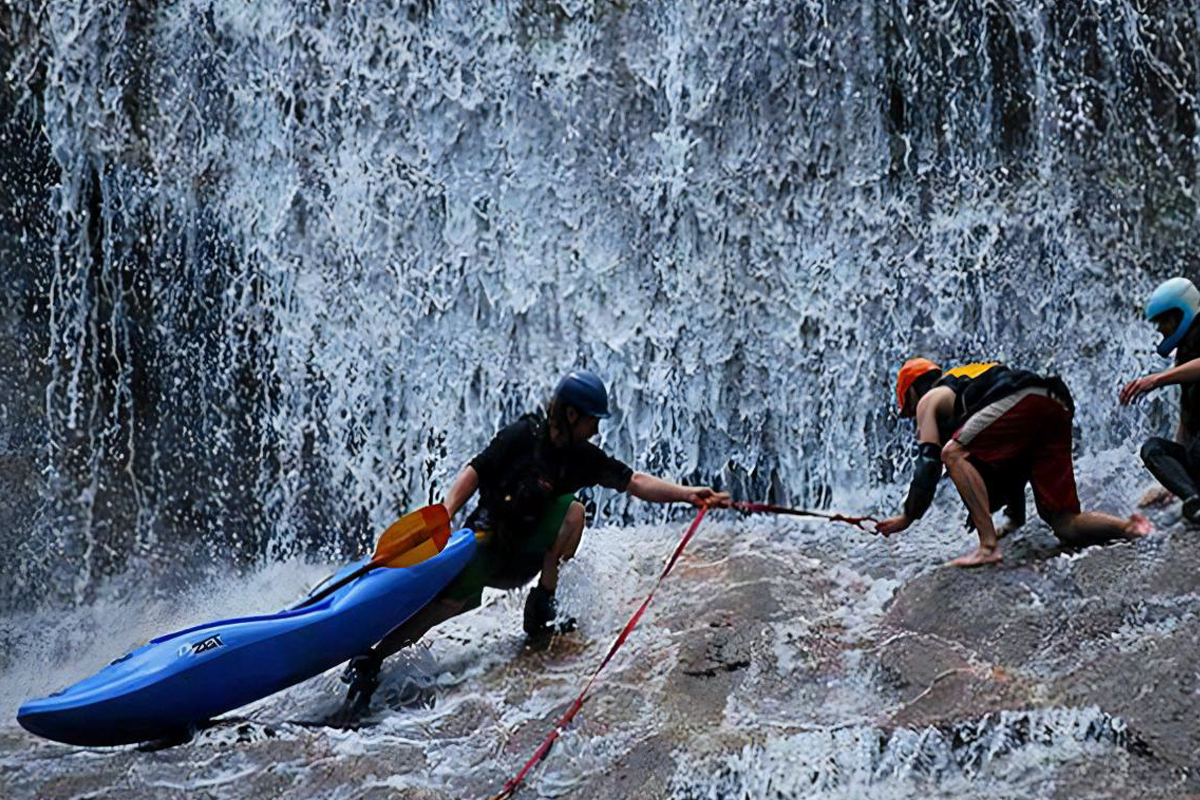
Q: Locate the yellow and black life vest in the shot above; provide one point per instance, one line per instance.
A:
(971, 371)
(976, 385)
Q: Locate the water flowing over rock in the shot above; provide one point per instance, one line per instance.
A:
(304, 255)
(273, 271)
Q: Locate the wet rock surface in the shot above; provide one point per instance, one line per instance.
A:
(763, 669)
(1115, 627)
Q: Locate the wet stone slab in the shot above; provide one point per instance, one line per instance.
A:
(761, 670)
(1113, 627)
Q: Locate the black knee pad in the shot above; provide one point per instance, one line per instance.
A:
(1153, 449)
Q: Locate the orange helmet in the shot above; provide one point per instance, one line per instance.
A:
(912, 369)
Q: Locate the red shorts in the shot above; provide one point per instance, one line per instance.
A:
(1028, 430)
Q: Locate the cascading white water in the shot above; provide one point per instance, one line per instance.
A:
(1012, 752)
(310, 255)
(301, 259)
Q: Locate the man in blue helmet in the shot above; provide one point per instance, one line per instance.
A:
(1173, 308)
(526, 479)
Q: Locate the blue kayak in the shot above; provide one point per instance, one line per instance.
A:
(180, 680)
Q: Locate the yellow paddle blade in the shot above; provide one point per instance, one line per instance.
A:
(431, 523)
(425, 550)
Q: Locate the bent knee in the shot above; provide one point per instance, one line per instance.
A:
(576, 515)
(572, 532)
(953, 451)
(1152, 449)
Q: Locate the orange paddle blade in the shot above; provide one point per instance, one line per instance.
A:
(429, 524)
(425, 549)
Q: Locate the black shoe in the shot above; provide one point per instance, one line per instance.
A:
(540, 614)
(362, 675)
(1191, 509)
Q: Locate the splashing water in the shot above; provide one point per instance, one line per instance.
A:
(275, 271)
(307, 256)
(1011, 754)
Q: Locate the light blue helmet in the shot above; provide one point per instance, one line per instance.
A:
(1177, 293)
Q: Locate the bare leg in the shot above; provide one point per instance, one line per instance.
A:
(1081, 530)
(973, 491)
(362, 673)
(565, 545)
(434, 613)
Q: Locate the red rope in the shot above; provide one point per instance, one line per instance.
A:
(763, 508)
(512, 785)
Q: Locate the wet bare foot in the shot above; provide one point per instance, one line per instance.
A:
(1155, 497)
(981, 556)
(1138, 526)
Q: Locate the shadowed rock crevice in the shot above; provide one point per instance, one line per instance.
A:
(721, 649)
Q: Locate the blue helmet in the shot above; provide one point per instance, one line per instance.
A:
(583, 389)
(1177, 293)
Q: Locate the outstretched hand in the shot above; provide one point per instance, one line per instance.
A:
(706, 496)
(1135, 389)
(893, 524)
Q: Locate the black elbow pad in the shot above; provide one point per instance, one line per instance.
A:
(926, 474)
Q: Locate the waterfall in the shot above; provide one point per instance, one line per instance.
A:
(303, 258)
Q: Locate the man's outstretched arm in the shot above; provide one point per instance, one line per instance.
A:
(927, 470)
(1187, 372)
(656, 490)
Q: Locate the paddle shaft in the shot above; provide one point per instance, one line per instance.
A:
(333, 587)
